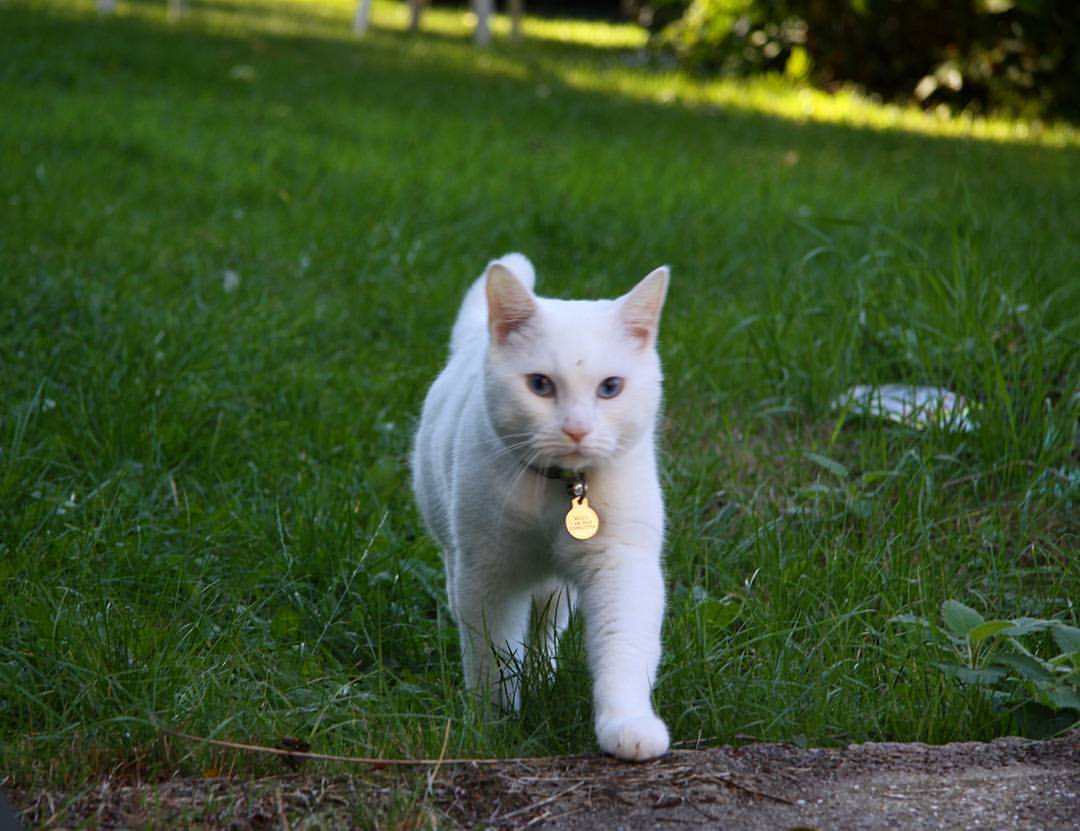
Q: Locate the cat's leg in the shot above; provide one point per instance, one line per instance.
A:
(493, 626)
(552, 602)
(622, 600)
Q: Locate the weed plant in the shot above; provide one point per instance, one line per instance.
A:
(231, 248)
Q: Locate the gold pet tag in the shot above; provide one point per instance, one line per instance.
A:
(582, 523)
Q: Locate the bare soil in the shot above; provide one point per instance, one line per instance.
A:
(1010, 783)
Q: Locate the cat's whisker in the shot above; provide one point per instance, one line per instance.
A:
(522, 470)
(509, 443)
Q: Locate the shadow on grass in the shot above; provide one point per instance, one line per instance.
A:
(314, 58)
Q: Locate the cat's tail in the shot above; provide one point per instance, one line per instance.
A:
(472, 319)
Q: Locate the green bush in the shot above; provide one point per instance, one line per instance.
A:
(1019, 55)
(1001, 658)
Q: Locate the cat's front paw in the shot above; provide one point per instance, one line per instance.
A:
(633, 739)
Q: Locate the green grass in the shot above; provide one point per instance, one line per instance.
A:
(205, 518)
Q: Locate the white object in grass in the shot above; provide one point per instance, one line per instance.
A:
(912, 406)
(230, 281)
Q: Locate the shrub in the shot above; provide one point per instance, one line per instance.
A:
(1020, 55)
(1002, 659)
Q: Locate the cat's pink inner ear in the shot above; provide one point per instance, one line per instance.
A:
(510, 304)
(640, 309)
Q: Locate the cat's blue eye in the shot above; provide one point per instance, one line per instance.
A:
(610, 387)
(540, 385)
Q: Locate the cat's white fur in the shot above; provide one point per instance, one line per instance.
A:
(500, 523)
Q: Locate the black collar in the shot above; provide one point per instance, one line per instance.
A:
(555, 472)
(574, 479)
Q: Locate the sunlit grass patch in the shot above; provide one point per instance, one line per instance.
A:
(775, 96)
(609, 59)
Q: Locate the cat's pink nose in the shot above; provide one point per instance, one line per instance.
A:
(576, 434)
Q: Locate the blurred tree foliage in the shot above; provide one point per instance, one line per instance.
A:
(1018, 55)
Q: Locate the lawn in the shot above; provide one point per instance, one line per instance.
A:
(231, 248)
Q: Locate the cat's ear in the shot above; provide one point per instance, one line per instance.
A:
(639, 310)
(510, 303)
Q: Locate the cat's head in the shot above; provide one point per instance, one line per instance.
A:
(571, 383)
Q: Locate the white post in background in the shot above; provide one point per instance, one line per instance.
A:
(176, 9)
(482, 8)
(517, 11)
(106, 6)
(363, 14)
(482, 35)
(415, 9)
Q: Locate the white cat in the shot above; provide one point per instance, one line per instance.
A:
(540, 394)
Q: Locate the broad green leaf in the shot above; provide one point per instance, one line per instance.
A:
(1067, 638)
(1028, 626)
(983, 677)
(830, 465)
(1069, 662)
(959, 618)
(985, 630)
(1030, 668)
(1065, 698)
(909, 619)
(718, 614)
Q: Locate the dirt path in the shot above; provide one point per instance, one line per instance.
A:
(1006, 784)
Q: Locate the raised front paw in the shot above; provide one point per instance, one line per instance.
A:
(634, 739)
